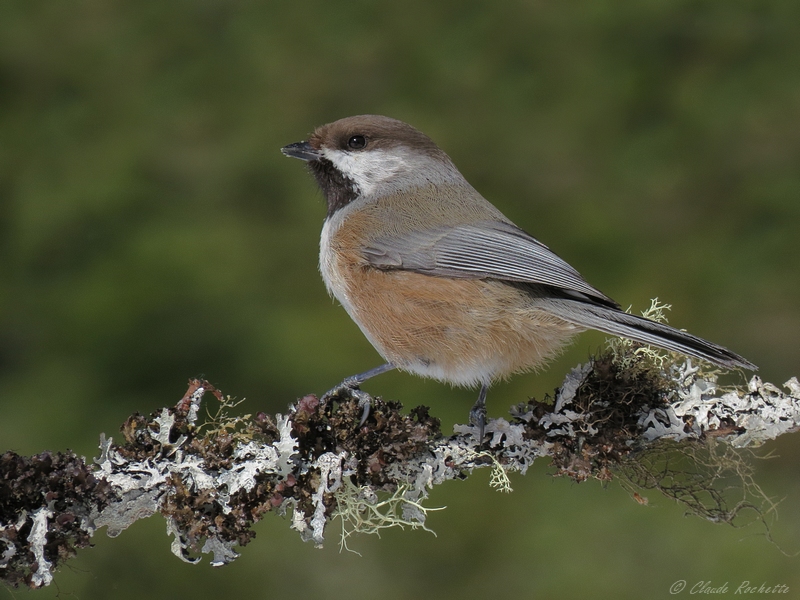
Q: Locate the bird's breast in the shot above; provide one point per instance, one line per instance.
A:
(463, 331)
(341, 261)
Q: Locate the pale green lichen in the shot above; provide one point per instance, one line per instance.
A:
(498, 479)
(634, 358)
(222, 423)
(628, 354)
(360, 510)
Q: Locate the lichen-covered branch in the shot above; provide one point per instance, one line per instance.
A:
(213, 479)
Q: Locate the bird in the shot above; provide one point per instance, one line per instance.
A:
(442, 283)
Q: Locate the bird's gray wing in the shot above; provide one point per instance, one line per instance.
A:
(484, 250)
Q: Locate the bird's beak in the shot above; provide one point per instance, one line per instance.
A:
(302, 150)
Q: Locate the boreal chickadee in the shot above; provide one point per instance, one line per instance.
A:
(439, 280)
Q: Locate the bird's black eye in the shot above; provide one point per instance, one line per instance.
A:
(357, 142)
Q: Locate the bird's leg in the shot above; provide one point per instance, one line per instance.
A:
(477, 416)
(350, 385)
(354, 381)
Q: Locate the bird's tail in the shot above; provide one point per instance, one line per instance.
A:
(645, 331)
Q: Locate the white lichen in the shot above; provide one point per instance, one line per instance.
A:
(330, 478)
(140, 486)
(222, 552)
(286, 445)
(179, 546)
(37, 539)
(764, 411)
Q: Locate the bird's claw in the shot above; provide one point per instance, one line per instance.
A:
(349, 387)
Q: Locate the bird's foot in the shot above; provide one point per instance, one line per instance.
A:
(477, 418)
(349, 388)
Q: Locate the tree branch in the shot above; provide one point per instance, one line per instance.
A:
(213, 480)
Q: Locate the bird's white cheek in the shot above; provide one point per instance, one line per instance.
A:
(367, 170)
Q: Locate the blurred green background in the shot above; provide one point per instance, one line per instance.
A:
(151, 231)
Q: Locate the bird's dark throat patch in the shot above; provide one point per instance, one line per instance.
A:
(339, 190)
